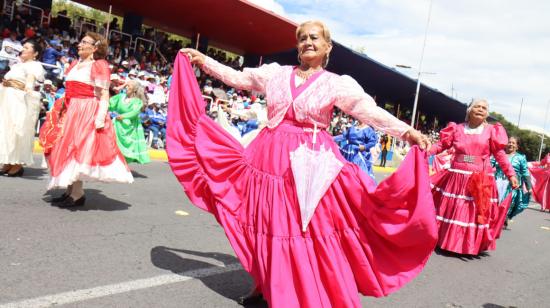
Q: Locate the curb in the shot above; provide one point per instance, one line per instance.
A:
(162, 156)
(153, 154)
(383, 169)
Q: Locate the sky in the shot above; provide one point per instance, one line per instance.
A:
(493, 49)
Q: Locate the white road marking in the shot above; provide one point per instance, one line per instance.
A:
(117, 288)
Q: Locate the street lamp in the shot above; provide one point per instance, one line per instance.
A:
(420, 66)
(417, 88)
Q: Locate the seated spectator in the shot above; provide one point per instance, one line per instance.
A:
(132, 74)
(11, 48)
(116, 86)
(158, 124)
(48, 94)
(51, 55)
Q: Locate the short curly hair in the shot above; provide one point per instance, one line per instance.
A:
(101, 43)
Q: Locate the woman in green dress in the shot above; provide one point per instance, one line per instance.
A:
(520, 198)
(129, 132)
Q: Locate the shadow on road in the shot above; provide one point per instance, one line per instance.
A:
(229, 285)
(95, 201)
(34, 173)
(490, 305)
(465, 258)
(138, 175)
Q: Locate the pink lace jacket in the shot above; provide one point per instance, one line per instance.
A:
(313, 105)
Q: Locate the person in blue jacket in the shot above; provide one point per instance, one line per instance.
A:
(355, 144)
(158, 124)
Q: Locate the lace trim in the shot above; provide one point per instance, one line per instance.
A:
(461, 223)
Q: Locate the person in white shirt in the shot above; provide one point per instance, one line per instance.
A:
(11, 48)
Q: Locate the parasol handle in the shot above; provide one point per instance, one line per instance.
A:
(314, 133)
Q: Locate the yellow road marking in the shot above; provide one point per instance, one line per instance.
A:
(181, 213)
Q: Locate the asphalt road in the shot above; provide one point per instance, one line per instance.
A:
(145, 245)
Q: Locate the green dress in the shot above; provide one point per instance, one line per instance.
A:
(129, 132)
(520, 199)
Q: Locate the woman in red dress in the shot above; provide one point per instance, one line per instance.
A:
(465, 195)
(81, 143)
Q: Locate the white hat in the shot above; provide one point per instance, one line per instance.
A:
(141, 73)
(124, 62)
(48, 82)
(132, 72)
(115, 77)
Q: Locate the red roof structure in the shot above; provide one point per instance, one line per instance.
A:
(247, 28)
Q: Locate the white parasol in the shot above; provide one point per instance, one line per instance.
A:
(313, 171)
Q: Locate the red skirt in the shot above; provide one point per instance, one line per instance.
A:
(80, 152)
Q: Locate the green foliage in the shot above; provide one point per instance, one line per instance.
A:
(75, 10)
(529, 140)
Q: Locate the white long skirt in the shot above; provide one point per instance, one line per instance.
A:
(18, 115)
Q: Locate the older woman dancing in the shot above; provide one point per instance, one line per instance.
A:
(83, 142)
(361, 237)
(465, 195)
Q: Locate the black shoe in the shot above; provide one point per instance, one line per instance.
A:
(70, 202)
(61, 198)
(250, 299)
(16, 174)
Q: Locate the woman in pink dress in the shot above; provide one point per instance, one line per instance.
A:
(465, 195)
(540, 178)
(361, 238)
(83, 142)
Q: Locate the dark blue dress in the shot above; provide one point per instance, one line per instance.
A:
(349, 143)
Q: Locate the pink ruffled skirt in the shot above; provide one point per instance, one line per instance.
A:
(362, 238)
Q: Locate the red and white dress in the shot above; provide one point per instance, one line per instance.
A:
(467, 224)
(80, 152)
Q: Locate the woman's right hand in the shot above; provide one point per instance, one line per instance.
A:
(195, 56)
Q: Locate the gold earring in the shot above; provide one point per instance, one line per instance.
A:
(325, 61)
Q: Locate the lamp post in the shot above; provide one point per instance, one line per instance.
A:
(417, 89)
(420, 66)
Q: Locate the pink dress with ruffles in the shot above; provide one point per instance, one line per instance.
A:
(459, 230)
(540, 178)
(362, 238)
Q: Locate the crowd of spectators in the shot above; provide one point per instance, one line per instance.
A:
(150, 64)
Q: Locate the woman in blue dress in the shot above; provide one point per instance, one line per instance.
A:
(355, 144)
(520, 198)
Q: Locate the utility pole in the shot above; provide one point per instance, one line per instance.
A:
(420, 66)
(520, 108)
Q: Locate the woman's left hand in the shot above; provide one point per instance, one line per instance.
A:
(119, 117)
(415, 137)
(514, 182)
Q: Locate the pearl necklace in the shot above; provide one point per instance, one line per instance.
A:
(305, 75)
